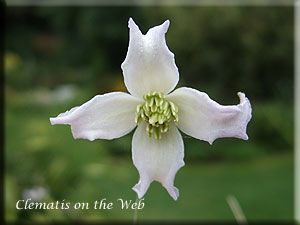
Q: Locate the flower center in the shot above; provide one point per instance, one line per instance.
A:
(157, 112)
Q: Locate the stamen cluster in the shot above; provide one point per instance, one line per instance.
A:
(157, 112)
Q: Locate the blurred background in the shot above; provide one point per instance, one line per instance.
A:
(60, 57)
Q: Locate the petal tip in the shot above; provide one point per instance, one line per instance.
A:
(166, 24)
(173, 192)
(138, 192)
(77, 135)
(131, 23)
(242, 96)
(141, 187)
(247, 102)
(52, 121)
(243, 136)
(246, 105)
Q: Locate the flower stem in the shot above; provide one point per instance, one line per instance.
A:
(135, 214)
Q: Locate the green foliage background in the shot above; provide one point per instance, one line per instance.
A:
(60, 57)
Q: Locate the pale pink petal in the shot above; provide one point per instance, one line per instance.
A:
(205, 119)
(149, 64)
(105, 116)
(157, 160)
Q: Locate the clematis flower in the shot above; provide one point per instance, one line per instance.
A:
(150, 74)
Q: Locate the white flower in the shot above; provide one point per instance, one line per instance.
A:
(150, 74)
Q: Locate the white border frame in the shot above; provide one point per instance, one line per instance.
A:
(295, 3)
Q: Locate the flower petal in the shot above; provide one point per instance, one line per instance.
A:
(205, 119)
(157, 160)
(149, 64)
(105, 116)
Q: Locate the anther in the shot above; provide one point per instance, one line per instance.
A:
(157, 113)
